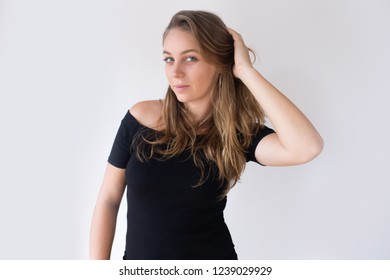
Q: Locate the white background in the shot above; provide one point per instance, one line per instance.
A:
(69, 70)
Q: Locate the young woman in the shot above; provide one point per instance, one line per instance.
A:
(180, 156)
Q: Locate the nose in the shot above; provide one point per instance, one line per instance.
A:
(177, 70)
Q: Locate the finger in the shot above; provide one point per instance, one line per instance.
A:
(234, 33)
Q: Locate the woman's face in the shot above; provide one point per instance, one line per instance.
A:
(189, 75)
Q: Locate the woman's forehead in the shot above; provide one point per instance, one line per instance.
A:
(178, 41)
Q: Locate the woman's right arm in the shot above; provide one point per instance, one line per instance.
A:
(105, 213)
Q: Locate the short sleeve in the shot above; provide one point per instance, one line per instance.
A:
(261, 133)
(120, 151)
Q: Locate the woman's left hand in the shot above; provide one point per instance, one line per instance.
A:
(242, 60)
(296, 140)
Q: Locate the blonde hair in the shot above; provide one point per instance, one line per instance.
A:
(235, 115)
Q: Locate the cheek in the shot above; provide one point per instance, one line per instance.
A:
(166, 73)
(207, 77)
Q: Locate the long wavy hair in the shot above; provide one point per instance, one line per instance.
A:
(234, 117)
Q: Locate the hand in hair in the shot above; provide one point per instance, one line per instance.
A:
(242, 60)
(296, 140)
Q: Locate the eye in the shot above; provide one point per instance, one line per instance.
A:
(168, 59)
(191, 59)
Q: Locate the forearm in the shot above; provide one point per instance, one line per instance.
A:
(102, 230)
(295, 132)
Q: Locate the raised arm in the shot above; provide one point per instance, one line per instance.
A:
(296, 140)
(106, 212)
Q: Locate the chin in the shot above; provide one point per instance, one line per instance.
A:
(182, 98)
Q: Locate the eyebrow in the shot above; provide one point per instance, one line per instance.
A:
(183, 52)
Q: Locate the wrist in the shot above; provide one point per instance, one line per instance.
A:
(247, 73)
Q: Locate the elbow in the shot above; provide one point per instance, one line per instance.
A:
(312, 150)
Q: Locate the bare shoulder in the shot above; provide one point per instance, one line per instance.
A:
(148, 113)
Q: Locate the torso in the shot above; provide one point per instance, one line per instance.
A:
(169, 218)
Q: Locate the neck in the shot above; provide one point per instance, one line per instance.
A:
(199, 111)
(201, 115)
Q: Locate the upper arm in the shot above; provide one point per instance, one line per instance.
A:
(271, 152)
(113, 186)
(114, 181)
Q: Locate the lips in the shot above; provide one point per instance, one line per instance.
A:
(180, 87)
